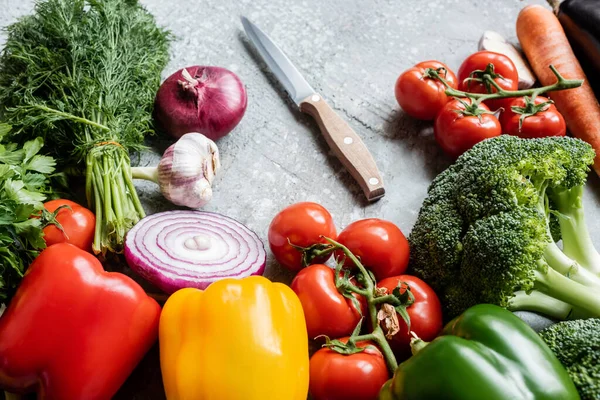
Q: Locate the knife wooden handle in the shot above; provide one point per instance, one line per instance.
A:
(347, 146)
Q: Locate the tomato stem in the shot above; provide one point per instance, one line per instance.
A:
(389, 298)
(560, 84)
(530, 109)
(377, 336)
(357, 290)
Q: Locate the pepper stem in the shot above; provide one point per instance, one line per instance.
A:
(416, 343)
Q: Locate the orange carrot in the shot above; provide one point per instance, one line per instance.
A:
(544, 42)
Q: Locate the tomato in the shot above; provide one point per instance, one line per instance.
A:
(380, 245)
(359, 376)
(326, 310)
(425, 313)
(422, 97)
(456, 132)
(504, 73)
(545, 121)
(302, 224)
(78, 224)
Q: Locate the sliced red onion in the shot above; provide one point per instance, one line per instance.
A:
(179, 249)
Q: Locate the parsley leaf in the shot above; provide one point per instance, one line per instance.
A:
(25, 181)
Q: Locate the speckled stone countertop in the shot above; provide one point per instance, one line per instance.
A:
(351, 51)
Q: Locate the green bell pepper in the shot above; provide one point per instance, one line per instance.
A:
(486, 353)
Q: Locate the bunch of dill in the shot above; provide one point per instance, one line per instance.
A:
(83, 75)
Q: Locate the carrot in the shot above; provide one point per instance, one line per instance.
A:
(544, 42)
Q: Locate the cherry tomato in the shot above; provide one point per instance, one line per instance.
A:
(326, 310)
(456, 132)
(359, 376)
(504, 74)
(425, 313)
(420, 96)
(78, 224)
(302, 224)
(380, 245)
(547, 121)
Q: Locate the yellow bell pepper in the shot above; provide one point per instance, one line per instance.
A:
(240, 339)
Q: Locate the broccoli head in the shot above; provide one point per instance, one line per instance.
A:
(486, 231)
(577, 346)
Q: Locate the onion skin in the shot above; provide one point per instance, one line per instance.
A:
(149, 250)
(208, 100)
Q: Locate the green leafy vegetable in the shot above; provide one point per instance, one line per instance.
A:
(25, 182)
(484, 233)
(83, 74)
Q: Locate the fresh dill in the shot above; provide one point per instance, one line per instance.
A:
(83, 75)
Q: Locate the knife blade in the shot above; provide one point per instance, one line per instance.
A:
(345, 143)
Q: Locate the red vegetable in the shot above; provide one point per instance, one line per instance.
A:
(503, 71)
(326, 310)
(533, 119)
(380, 245)
(207, 100)
(302, 224)
(460, 126)
(422, 97)
(74, 331)
(183, 249)
(77, 222)
(425, 313)
(359, 376)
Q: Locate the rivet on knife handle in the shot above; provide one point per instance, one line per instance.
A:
(347, 146)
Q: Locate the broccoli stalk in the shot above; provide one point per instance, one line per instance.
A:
(562, 260)
(577, 243)
(550, 282)
(484, 234)
(539, 302)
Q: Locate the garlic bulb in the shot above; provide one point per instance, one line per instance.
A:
(186, 171)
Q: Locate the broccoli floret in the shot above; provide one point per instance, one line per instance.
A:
(577, 346)
(486, 231)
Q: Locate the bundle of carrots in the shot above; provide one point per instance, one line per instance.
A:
(544, 42)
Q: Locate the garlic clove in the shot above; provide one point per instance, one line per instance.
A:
(493, 41)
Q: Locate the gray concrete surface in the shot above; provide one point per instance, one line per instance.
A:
(351, 51)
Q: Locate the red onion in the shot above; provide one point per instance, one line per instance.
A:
(179, 249)
(208, 100)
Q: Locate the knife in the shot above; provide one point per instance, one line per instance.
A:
(345, 143)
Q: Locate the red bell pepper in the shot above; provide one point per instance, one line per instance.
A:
(74, 331)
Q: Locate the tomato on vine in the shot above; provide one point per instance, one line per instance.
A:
(498, 66)
(462, 123)
(327, 311)
(357, 376)
(533, 119)
(425, 313)
(421, 95)
(380, 245)
(301, 224)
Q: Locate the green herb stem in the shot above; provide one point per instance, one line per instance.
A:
(117, 206)
(74, 118)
